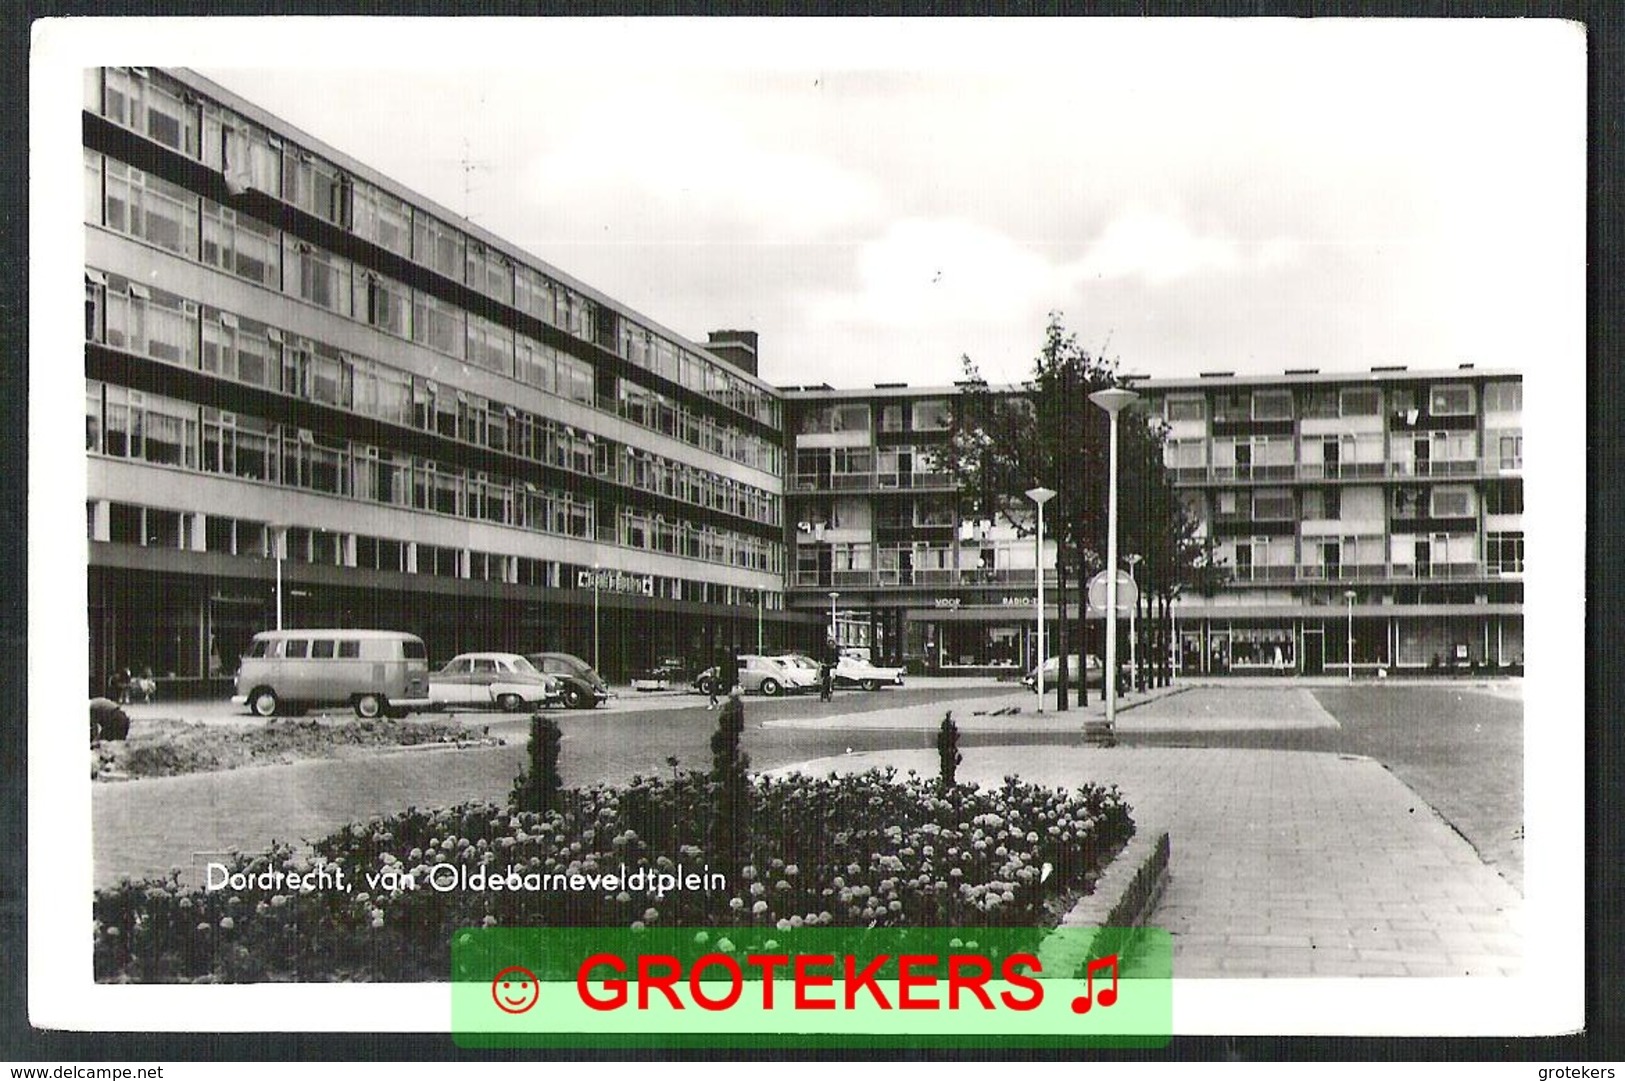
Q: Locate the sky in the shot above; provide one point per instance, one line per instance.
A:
(878, 198)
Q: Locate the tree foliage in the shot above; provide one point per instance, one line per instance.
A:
(1047, 433)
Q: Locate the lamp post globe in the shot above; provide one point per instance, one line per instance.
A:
(1040, 496)
(1113, 400)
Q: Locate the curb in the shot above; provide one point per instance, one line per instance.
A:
(1125, 896)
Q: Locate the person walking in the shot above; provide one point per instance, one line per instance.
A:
(832, 657)
(719, 672)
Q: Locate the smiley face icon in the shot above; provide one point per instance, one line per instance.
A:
(515, 989)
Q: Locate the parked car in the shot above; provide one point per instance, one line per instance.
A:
(504, 681)
(769, 676)
(1094, 674)
(374, 672)
(581, 686)
(854, 671)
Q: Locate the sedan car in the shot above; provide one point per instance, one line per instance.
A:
(504, 681)
(769, 676)
(854, 671)
(1094, 674)
(580, 685)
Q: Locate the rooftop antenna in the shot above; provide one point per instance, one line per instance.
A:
(469, 165)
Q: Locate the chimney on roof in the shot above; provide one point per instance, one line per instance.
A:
(737, 347)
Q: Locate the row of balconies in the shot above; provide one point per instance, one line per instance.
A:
(868, 482)
(1285, 574)
(1459, 468)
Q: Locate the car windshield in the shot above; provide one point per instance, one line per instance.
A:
(799, 661)
(522, 665)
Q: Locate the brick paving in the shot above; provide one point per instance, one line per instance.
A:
(1287, 863)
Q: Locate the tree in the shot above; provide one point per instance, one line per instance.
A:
(1048, 433)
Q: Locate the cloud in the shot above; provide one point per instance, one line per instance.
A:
(680, 171)
(1160, 249)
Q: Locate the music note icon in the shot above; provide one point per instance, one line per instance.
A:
(1108, 995)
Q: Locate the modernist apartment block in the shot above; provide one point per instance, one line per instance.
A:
(312, 394)
(314, 397)
(1383, 508)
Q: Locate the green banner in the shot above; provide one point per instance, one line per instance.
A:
(811, 987)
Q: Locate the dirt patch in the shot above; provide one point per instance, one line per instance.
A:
(166, 748)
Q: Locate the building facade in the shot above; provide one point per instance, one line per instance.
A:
(313, 395)
(1381, 510)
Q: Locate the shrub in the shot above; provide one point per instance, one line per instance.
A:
(857, 851)
(948, 749)
(538, 788)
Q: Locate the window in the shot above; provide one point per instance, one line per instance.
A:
(1227, 502)
(323, 648)
(931, 416)
(1503, 497)
(384, 303)
(1503, 397)
(1272, 405)
(1450, 401)
(1509, 450)
(316, 275)
(93, 187)
(489, 272)
(315, 186)
(1321, 504)
(1272, 505)
(1503, 552)
(153, 108)
(151, 322)
(151, 209)
(891, 418)
(241, 349)
(437, 325)
(1451, 503)
(438, 246)
(241, 245)
(1320, 403)
(93, 417)
(349, 648)
(1186, 407)
(1361, 402)
(489, 345)
(253, 158)
(296, 647)
(381, 218)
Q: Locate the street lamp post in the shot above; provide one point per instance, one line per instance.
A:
(1348, 595)
(834, 595)
(759, 649)
(1112, 400)
(595, 617)
(1041, 496)
(1133, 560)
(279, 540)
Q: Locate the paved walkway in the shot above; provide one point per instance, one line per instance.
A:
(1285, 863)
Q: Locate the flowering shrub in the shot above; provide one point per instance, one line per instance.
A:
(857, 851)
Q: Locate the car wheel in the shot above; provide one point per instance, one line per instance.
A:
(771, 688)
(264, 702)
(510, 703)
(871, 685)
(707, 686)
(574, 697)
(369, 706)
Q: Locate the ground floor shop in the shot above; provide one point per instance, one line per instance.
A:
(950, 639)
(189, 627)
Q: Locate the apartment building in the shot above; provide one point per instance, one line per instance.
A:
(314, 396)
(1378, 510)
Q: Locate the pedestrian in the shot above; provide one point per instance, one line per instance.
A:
(145, 685)
(832, 657)
(719, 672)
(107, 721)
(118, 686)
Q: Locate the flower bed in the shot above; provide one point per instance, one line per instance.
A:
(166, 748)
(861, 850)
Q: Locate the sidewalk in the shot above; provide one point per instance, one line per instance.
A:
(1006, 709)
(1284, 863)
